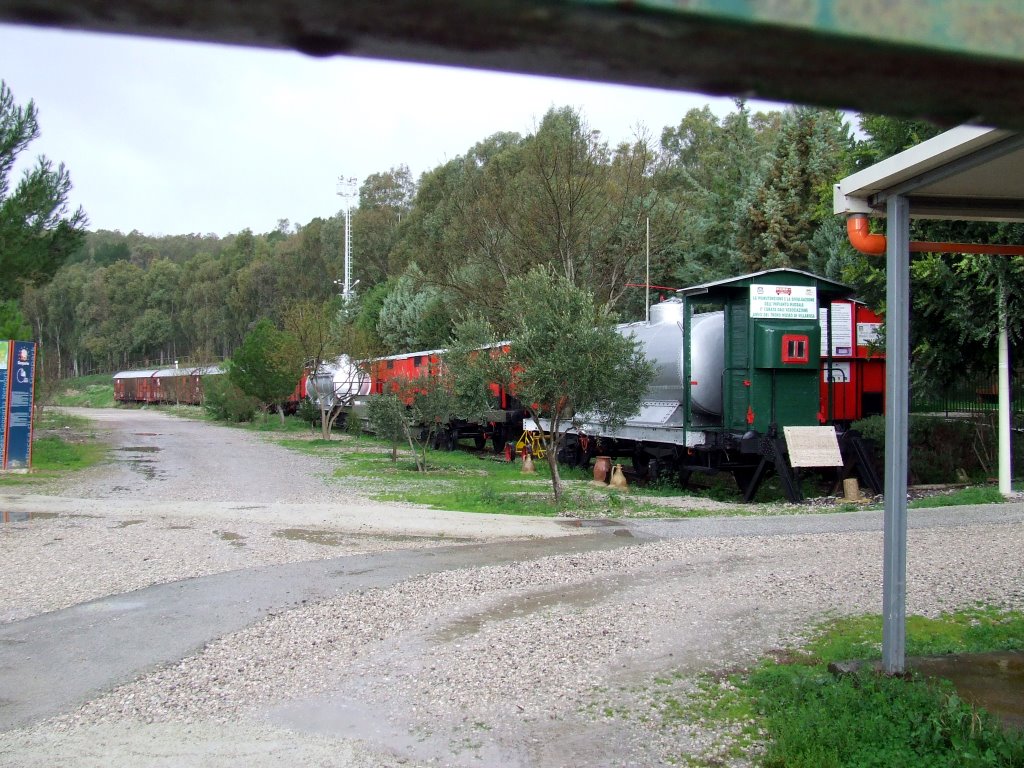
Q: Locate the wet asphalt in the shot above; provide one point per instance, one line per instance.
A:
(54, 662)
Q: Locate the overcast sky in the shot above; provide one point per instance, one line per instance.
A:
(171, 138)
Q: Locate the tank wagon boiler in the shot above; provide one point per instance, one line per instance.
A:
(737, 361)
(337, 385)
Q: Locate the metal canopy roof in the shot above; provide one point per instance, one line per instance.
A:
(965, 173)
(743, 281)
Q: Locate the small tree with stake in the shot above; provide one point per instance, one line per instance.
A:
(562, 358)
(416, 409)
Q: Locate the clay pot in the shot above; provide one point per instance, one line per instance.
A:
(618, 479)
(602, 465)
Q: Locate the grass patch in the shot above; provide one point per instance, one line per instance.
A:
(472, 482)
(978, 494)
(463, 481)
(96, 391)
(61, 443)
(795, 713)
(53, 454)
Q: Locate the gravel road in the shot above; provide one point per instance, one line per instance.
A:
(537, 661)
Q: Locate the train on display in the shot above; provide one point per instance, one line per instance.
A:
(178, 386)
(755, 374)
(163, 386)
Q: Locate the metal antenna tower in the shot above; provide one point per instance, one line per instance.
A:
(348, 190)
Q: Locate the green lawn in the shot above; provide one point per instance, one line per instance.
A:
(95, 391)
(796, 714)
(61, 444)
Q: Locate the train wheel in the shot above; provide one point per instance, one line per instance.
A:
(498, 440)
(641, 463)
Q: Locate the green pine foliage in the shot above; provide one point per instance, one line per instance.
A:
(267, 366)
(37, 233)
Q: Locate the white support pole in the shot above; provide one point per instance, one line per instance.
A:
(647, 279)
(1005, 458)
(897, 407)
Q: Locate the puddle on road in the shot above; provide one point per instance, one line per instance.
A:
(582, 596)
(312, 536)
(994, 681)
(23, 517)
(329, 538)
(234, 539)
(145, 467)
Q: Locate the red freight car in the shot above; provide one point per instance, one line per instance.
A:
(163, 385)
(853, 376)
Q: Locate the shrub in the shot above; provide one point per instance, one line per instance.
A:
(226, 402)
(940, 450)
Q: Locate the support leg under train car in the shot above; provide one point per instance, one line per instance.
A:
(857, 459)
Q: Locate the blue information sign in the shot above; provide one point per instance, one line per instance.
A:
(21, 368)
(5, 349)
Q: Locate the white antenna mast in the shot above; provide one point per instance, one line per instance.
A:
(348, 190)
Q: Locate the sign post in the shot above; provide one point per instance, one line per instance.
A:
(18, 402)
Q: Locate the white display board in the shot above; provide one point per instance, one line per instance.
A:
(784, 302)
(813, 447)
(842, 329)
(868, 334)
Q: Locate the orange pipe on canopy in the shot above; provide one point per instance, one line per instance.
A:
(874, 244)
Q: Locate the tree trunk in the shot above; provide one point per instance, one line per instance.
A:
(556, 480)
(420, 464)
(550, 442)
(325, 424)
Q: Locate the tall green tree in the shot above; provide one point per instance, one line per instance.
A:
(708, 164)
(565, 361)
(954, 297)
(37, 234)
(792, 195)
(385, 202)
(267, 366)
(560, 197)
(12, 323)
(413, 315)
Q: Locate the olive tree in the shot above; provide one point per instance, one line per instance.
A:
(562, 358)
(416, 408)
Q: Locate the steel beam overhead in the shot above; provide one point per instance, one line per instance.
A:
(951, 61)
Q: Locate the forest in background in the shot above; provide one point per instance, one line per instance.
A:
(709, 198)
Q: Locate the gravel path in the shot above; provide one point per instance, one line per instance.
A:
(543, 663)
